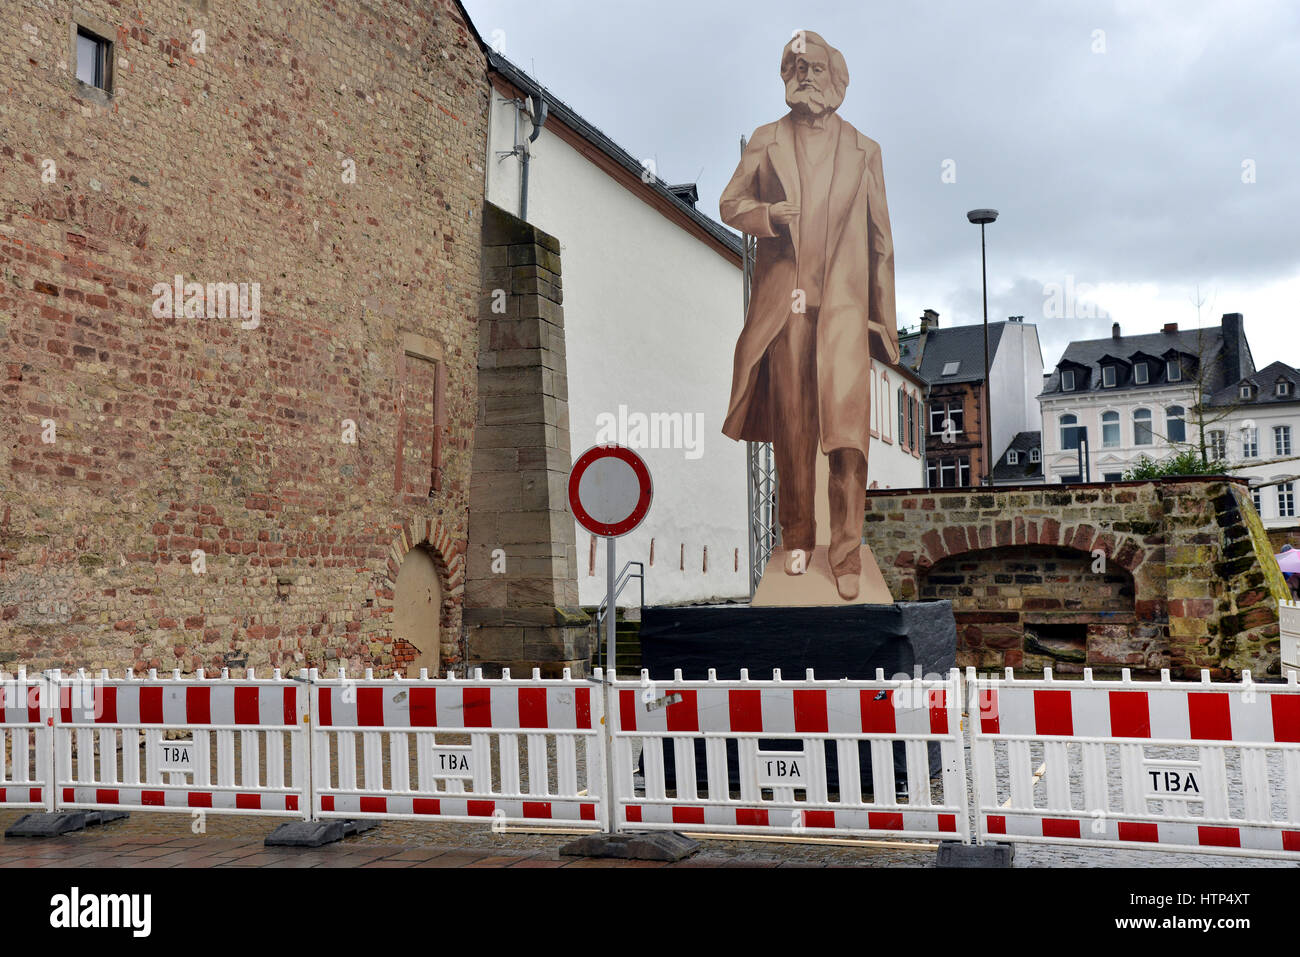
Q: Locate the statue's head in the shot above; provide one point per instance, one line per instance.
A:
(815, 74)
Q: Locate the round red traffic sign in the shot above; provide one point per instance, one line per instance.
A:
(609, 490)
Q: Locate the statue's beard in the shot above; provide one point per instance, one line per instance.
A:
(811, 101)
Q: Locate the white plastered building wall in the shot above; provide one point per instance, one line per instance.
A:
(651, 312)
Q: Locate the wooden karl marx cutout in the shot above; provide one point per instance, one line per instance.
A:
(811, 188)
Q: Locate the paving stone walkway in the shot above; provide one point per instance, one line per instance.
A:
(166, 840)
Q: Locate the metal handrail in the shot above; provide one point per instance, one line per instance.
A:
(623, 577)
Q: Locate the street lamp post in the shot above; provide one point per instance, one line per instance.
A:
(983, 217)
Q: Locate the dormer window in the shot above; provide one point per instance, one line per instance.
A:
(1067, 380)
(1013, 457)
(1140, 374)
(1246, 391)
(1108, 377)
(1034, 455)
(1173, 371)
(1283, 388)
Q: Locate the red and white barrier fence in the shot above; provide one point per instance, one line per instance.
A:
(236, 745)
(768, 750)
(1179, 766)
(510, 751)
(25, 746)
(1182, 766)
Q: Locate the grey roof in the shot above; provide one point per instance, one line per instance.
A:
(1264, 381)
(568, 116)
(1024, 471)
(964, 344)
(1204, 344)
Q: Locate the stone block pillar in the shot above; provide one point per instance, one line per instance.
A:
(521, 590)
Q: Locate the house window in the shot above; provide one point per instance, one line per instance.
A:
(884, 412)
(911, 423)
(94, 60)
(947, 418)
(1173, 371)
(1110, 429)
(1108, 377)
(1286, 500)
(1067, 380)
(1175, 424)
(1255, 497)
(1069, 431)
(1250, 443)
(1140, 375)
(1013, 457)
(1283, 388)
(1142, 427)
(1035, 455)
(1245, 391)
(931, 475)
(1112, 476)
(902, 418)
(950, 368)
(954, 473)
(1281, 440)
(937, 415)
(1218, 445)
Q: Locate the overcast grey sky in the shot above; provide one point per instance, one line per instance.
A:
(1116, 158)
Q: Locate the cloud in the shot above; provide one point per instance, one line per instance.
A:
(1118, 162)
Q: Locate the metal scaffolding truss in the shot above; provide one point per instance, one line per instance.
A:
(760, 465)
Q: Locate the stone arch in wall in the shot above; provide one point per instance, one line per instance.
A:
(1030, 606)
(425, 583)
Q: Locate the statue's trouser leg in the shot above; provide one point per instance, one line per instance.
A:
(792, 374)
(848, 483)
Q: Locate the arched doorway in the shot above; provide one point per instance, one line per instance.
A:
(417, 608)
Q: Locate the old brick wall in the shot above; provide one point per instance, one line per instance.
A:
(1158, 574)
(333, 154)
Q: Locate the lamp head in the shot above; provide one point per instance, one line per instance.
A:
(982, 216)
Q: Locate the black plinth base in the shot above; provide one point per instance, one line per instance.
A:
(849, 641)
(906, 639)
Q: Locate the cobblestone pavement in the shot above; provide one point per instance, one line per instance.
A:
(166, 840)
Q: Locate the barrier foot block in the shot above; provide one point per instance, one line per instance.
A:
(62, 822)
(956, 854)
(657, 846)
(315, 833)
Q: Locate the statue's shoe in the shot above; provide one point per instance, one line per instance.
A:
(796, 562)
(847, 586)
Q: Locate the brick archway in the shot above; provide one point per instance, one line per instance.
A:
(1035, 606)
(1205, 584)
(448, 556)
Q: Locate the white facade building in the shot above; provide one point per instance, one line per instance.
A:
(897, 454)
(652, 309)
(1135, 396)
(1257, 435)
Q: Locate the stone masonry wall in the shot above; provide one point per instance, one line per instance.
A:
(1204, 588)
(521, 595)
(181, 491)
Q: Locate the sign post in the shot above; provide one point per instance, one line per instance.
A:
(610, 492)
